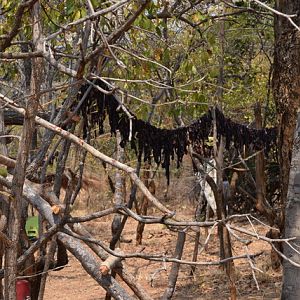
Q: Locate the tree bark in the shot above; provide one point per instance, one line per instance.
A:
(259, 164)
(119, 199)
(175, 267)
(149, 183)
(291, 274)
(119, 196)
(14, 218)
(286, 87)
(224, 236)
(3, 210)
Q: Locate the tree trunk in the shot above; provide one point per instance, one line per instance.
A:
(224, 236)
(149, 183)
(291, 274)
(3, 218)
(286, 87)
(286, 84)
(259, 164)
(14, 217)
(175, 267)
(119, 196)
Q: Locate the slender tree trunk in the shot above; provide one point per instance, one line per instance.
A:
(119, 200)
(14, 218)
(259, 164)
(3, 218)
(3, 148)
(224, 236)
(286, 91)
(149, 183)
(175, 267)
(119, 196)
(49, 258)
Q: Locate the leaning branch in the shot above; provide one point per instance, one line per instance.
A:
(24, 55)
(76, 140)
(87, 260)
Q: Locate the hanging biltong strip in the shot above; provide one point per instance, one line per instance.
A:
(240, 135)
(165, 144)
(95, 108)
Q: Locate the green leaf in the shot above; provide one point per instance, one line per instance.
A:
(69, 7)
(3, 172)
(194, 70)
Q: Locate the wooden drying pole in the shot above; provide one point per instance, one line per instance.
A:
(224, 236)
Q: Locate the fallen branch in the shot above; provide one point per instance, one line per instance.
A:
(120, 269)
(89, 263)
(158, 257)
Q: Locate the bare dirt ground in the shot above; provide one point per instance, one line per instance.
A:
(208, 283)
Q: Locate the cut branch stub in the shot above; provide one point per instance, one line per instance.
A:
(110, 263)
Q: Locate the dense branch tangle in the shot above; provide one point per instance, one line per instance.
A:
(148, 140)
(164, 144)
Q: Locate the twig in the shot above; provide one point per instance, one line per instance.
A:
(101, 12)
(142, 58)
(285, 257)
(41, 273)
(289, 17)
(260, 237)
(263, 223)
(247, 242)
(162, 268)
(252, 268)
(157, 257)
(292, 247)
(208, 238)
(254, 230)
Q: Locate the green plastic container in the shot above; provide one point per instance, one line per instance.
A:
(32, 227)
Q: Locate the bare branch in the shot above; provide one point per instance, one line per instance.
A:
(23, 55)
(16, 26)
(289, 17)
(92, 16)
(130, 171)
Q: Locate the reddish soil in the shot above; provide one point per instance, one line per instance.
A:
(207, 283)
(73, 283)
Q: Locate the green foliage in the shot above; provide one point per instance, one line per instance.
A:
(183, 55)
(3, 172)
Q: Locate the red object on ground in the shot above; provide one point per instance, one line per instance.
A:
(23, 289)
